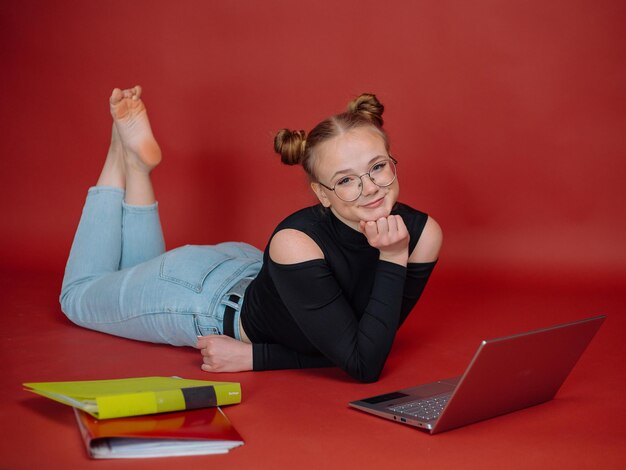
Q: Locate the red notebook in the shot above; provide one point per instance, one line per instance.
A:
(195, 432)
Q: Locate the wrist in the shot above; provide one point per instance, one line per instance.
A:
(249, 360)
(397, 258)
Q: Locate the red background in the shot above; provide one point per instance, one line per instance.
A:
(508, 118)
(509, 122)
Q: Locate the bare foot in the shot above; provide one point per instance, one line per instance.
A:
(140, 148)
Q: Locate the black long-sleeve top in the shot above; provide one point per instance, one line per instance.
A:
(342, 310)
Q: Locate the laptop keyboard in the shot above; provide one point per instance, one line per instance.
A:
(424, 409)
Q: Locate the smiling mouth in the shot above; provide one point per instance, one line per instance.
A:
(374, 204)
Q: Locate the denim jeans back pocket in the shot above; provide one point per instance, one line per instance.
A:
(190, 265)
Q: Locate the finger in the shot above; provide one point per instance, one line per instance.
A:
(202, 342)
(402, 227)
(137, 91)
(208, 349)
(383, 225)
(392, 223)
(210, 361)
(205, 341)
(211, 367)
(371, 229)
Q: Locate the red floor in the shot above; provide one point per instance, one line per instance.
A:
(300, 419)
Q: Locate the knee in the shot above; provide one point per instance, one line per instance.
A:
(69, 303)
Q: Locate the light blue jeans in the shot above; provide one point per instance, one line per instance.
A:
(120, 280)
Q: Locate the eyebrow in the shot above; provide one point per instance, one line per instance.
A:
(351, 171)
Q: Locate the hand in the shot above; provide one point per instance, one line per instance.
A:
(224, 354)
(390, 236)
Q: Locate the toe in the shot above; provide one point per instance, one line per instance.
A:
(116, 96)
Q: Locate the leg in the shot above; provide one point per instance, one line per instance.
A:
(142, 237)
(133, 154)
(173, 298)
(135, 303)
(113, 173)
(113, 234)
(97, 246)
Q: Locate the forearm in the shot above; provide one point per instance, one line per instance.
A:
(378, 325)
(417, 277)
(268, 356)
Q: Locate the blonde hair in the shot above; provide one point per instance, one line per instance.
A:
(296, 147)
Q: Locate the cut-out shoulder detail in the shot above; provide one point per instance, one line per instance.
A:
(289, 246)
(429, 244)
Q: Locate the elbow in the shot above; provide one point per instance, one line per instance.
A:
(369, 379)
(366, 369)
(429, 244)
(367, 375)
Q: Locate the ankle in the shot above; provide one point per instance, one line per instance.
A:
(139, 190)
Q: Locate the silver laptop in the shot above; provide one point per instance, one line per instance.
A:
(506, 374)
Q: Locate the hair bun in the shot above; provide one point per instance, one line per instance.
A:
(290, 146)
(368, 106)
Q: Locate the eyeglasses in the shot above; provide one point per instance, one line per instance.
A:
(349, 187)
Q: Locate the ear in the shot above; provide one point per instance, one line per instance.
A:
(321, 195)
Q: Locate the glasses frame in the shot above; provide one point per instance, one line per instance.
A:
(395, 176)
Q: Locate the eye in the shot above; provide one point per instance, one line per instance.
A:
(378, 167)
(346, 181)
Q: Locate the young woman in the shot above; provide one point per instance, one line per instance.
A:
(334, 284)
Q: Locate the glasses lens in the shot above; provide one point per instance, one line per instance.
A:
(348, 188)
(383, 173)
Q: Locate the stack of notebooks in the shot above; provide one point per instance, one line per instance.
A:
(149, 416)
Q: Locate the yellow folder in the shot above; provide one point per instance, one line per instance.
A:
(116, 398)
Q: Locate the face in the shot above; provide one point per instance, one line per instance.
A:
(354, 153)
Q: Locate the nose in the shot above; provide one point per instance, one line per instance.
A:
(368, 186)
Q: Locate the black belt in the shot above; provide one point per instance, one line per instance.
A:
(229, 316)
